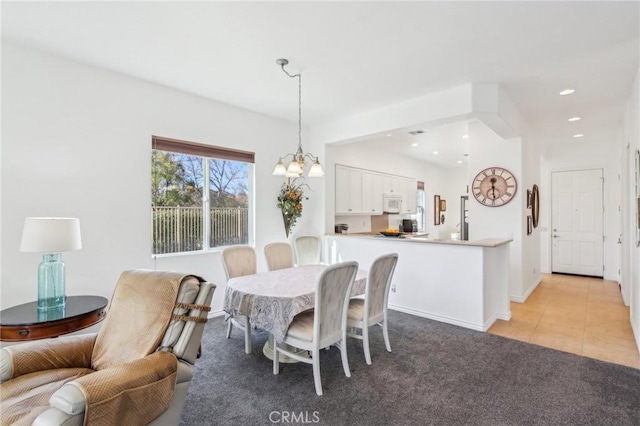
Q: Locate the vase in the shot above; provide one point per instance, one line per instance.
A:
(287, 224)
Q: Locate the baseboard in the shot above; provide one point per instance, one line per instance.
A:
(522, 299)
(636, 333)
(504, 317)
(440, 318)
(213, 314)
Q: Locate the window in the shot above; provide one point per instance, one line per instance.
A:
(420, 207)
(200, 196)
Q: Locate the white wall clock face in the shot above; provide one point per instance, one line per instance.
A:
(494, 187)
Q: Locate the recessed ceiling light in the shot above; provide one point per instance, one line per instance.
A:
(567, 92)
(435, 153)
(465, 136)
(389, 135)
(414, 144)
(579, 135)
(574, 119)
(459, 161)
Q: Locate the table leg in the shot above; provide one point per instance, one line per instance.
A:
(267, 350)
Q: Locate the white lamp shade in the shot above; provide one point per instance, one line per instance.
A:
(316, 170)
(280, 169)
(294, 169)
(50, 235)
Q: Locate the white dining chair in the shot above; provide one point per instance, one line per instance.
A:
(324, 325)
(279, 256)
(363, 313)
(308, 250)
(239, 261)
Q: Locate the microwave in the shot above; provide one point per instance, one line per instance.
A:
(392, 203)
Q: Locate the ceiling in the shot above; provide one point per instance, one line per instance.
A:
(359, 56)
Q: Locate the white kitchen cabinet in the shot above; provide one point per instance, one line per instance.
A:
(371, 193)
(393, 184)
(342, 189)
(348, 190)
(359, 191)
(409, 195)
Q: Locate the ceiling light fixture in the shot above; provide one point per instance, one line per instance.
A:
(459, 161)
(414, 144)
(465, 136)
(295, 168)
(574, 119)
(567, 92)
(435, 153)
(389, 135)
(579, 135)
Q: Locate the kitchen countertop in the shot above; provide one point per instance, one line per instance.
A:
(486, 242)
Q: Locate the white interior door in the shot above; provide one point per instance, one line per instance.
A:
(576, 222)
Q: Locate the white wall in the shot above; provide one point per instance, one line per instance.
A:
(486, 149)
(501, 122)
(76, 141)
(580, 157)
(631, 253)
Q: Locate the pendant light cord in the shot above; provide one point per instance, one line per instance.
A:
(299, 75)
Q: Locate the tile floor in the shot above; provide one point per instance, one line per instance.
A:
(581, 315)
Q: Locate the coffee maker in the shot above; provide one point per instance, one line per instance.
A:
(409, 225)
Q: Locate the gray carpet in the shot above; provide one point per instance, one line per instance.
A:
(437, 374)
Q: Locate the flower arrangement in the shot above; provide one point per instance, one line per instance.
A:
(290, 203)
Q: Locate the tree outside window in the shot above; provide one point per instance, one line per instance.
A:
(198, 202)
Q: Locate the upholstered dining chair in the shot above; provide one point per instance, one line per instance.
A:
(363, 313)
(279, 256)
(308, 250)
(136, 370)
(239, 261)
(324, 325)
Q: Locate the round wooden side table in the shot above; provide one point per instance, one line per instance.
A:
(24, 322)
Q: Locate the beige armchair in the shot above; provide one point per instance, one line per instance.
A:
(136, 370)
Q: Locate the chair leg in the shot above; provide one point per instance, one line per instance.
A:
(316, 371)
(229, 325)
(365, 343)
(385, 334)
(276, 358)
(345, 360)
(247, 336)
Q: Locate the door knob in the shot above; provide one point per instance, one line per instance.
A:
(556, 236)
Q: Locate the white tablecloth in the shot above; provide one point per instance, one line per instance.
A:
(272, 299)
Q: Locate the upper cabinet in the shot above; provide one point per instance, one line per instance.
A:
(360, 191)
(409, 195)
(371, 192)
(348, 190)
(392, 184)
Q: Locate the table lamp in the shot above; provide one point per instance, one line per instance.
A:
(51, 236)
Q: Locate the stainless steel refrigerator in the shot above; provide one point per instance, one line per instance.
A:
(464, 218)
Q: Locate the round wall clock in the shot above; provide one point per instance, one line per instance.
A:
(494, 187)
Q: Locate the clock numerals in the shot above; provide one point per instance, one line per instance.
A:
(494, 186)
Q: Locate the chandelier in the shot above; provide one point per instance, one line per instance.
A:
(296, 166)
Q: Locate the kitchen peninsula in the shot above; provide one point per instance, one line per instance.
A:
(464, 283)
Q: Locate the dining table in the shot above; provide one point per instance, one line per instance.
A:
(272, 299)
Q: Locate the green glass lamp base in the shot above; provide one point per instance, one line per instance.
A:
(51, 283)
